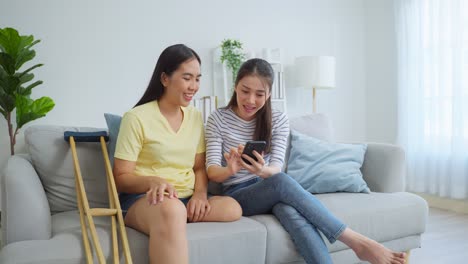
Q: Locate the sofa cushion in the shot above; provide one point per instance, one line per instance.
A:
(380, 216)
(113, 125)
(52, 159)
(242, 241)
(323, 167)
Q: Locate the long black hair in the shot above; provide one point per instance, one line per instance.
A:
(169, 61)
(263, 70)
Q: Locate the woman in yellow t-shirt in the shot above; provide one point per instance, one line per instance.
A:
(159, 162)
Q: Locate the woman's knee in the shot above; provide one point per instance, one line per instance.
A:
(282, 179)
(234, 210)
(228, 209)
(172, 210)
(168, 216)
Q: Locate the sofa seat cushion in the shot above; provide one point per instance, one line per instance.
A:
(380, 216)
(242, 241)
(64, 247)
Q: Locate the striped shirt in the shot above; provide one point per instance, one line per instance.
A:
(225, 130)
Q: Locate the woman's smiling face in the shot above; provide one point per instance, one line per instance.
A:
(251, 95)
(183, 84)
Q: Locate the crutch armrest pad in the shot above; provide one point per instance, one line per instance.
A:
(85, 136)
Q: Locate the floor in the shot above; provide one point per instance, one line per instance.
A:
(445, 240)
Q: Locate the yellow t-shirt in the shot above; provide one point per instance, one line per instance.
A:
(146, 137)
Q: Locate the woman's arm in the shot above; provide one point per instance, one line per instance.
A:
(268, 171)
(127, 181)
(198, 206)
(201, 181)
(214, 151)
(218, 173)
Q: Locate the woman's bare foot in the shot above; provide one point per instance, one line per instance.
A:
(370, 250)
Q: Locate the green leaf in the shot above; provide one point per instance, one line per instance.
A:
(43, 105)
(27, 42)
(7, 96)
(11, 84)
(27, 91)
(8, 63)
(29, 69)
(232, 54)
(7, 102)
(3, 75)
(24, 56)
(10, 41)
(32, 44)
(25, 78)
(22, 105)
(29, 110)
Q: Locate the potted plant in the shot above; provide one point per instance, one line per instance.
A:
(15, 86)
(233, 55)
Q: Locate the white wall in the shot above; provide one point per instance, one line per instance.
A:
(99, 55)
(381, 71)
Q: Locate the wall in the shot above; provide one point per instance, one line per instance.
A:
(99, 55)
(381, 71)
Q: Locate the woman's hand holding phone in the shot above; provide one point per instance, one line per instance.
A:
(252, 160)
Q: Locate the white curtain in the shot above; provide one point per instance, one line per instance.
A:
(432, 44)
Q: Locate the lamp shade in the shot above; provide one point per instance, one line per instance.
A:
(315, 72)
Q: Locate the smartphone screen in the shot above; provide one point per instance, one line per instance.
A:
(250, 146)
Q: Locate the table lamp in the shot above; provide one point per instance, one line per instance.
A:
(316, 72)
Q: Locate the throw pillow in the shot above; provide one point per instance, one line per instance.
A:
(113, 125)
(324, 167)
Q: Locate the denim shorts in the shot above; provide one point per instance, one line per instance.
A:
(128, 199)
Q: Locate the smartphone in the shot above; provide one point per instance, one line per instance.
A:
(250, 146)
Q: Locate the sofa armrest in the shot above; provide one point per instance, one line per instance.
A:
(384, 167)
(25, 209)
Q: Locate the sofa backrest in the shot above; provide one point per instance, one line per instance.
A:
(52, 159)
(51, 156)
(314, 125)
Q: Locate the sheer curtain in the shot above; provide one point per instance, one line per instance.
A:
(432, 44)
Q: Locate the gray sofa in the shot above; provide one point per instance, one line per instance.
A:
(40, 223)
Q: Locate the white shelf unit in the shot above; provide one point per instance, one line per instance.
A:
(278, 91)
(222, 83)
(222, 79)
(206, 105)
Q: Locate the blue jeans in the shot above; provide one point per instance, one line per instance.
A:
(301, 213)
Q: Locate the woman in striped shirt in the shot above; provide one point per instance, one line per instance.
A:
(260, 187)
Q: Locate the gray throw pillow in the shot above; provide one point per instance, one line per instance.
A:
(113, 125)
(325, 167)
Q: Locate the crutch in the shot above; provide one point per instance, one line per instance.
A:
(86, 213)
